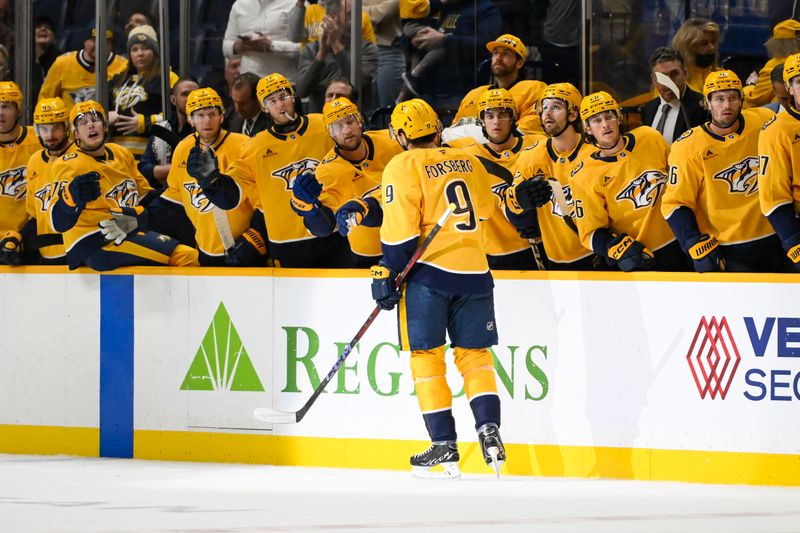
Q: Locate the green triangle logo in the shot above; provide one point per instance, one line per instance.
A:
(221, 362)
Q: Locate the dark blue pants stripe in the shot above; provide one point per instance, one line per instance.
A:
(116, 366)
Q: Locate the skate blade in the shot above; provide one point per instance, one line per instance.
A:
(441, 471)
(496, 463)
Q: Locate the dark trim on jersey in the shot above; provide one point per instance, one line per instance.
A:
(89, 67)
(332, 251)
(284, 135)
(76, 256)
(705, 127)
(571, 157)
(514, 149)
(684, 225)
(794, 113)
(630, 144)
(48, 156)
(19, 139)
(786, 224)
(368, 157)
(224, 134)
(108, 154)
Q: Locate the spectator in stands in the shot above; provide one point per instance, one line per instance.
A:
(257, 30)
(156, 161)
(667, 113)
(305, 24)
(415, 16)
(385, 15)
(784, 42)
(328, 57)
(46, 49)
(136, 93)
(233, 66)
(248, 118)
(697, 41)
(561, 31)
(4, 68)
(139, 17)
(340, 89)
(72, 78)
(782, 96)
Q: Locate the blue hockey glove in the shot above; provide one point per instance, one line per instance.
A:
(11, 248)
(705, 253)
(82, 190)
(532, 193)
(383, 290)
(203, 166)
(248, 250)
(629, 254)
(306, 188)
(350, 215)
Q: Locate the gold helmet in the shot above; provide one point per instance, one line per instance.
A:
(272, 83)
(202, 98)
(563, 91)
(597, 103)
(50, 111)
(10, 92)
(496, 99)
(791, 68)
(415, 118)
(84, 108)
(723, 80)
(338, 109)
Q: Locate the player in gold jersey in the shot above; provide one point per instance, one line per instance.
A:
(617, 192)
(565, 147)
(449, 290)
(344, 190)
(268, 166)
(779, 164)
(101, 200)
(17, 144)
(711, 199)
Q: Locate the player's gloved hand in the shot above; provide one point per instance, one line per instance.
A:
(248, 250)
(81, 190)
(305, 194)
(629, 254)
(792, 247)
(383, 291)
(350, 215)
(705, 253)
(203, 166)
(11, 248)
(532, 193)
(123, 222)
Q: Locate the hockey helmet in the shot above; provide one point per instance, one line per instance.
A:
(338, 109)
(511, 42)
(496, 99)
(272, 83)
(415, 118)
(791, 68)
(563, 91)
(86, 108)
(50, 111)
(597, 103)
(202, 98)
(722, 80)
(10, 92)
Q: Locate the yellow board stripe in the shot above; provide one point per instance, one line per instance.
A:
(50, 440)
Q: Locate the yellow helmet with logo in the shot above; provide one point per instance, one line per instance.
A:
(338, 109)
(50, 111)
(202, 98)
(10, 92)
(597, 103)
(496, 99)
(415, 118)
(272, 83)
(563, 91)
(791, 68)
(84, 108)
(722, 80)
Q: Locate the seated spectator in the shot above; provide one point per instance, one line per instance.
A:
(247, 118)
(139, 17)
(305, 23)
(257, 31)
(782, 96)
(233, 67)
(340, 89)
(328, 57)
(758, 89)
(46, 49)
(697, 40)
(667, 113)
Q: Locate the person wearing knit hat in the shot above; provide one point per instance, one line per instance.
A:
(144, 35)
(783, 43)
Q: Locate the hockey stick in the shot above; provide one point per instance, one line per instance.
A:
(561, 202)
(266, 414)
(666, 81)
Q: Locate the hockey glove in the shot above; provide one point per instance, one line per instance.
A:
(11, 248)
(305, 194)
(203, 166)
(383, 290)
(532, 193)
(792, 247)
(248, 250)
(123, 222)
(705, 254)
(629, 254)
(81, 190)
(350, 215)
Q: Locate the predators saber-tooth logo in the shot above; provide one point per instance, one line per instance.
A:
(643, 191)
(198, 198)
(49, 194)
(567, 196)
(292, 170)
(125, 194)
(13, 183)
(82, 94)
(741, 177)
(499, 190)
(128, 96)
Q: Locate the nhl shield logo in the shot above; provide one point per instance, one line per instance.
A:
(741, 177)
(643, 191)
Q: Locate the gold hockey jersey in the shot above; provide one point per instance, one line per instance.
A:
(72, 79)
(343, 180)
(182, 189)
(717, 178)
(560, 242)
(14, 157)
(779, 162)
(623, 192)
(43, 192)
(525, 93)
(315, 14)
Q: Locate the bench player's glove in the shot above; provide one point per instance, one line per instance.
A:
(248, 250)
(532, 193)
(350, 215)
(11, 248)
(705, 253)
(305, 194)
(81, 190)
(629, 254)
(203, 166)
(123, 222)
(383, 290)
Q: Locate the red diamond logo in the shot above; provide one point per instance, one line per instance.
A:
(713, 357)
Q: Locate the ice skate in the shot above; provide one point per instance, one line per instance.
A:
(494, 453)
(441, 453)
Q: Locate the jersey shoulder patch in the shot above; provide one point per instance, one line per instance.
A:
(769, 122)
(576, 169)
(69, 155)
(332, 157)
(686, 135)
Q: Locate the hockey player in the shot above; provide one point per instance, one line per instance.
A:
(711, 199)
(268, 165)
(779, 158)
(344, 190)
(617, 192)
(506, 249)
(449, 289)
(52, 128)
(98, 207)
(183, 210)
(17, 144)
(559, 111)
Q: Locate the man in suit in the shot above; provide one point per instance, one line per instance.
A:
(247, 117)
(664, 113)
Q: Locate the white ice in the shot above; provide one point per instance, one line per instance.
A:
(67, 494)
